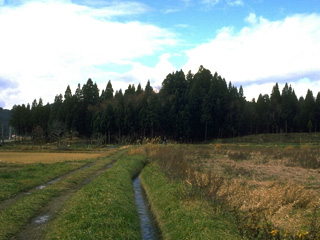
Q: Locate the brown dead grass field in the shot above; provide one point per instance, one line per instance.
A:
(281, 184)
(278, 182)
(46, 157)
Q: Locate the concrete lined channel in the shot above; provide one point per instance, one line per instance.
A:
(149, 228)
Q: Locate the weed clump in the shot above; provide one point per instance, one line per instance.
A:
(239, 155)
(256, 226)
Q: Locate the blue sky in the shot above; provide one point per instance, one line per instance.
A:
(47, 45)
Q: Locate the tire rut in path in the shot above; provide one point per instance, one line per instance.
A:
(36, 227)
(7, 202)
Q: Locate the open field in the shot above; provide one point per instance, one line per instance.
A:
(29, 154)
(244, 189)
(17, 212)
(271, 188)
(45, 157)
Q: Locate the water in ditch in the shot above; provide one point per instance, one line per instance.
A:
(149, 228)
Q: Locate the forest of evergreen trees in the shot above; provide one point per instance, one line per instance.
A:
(188, 108)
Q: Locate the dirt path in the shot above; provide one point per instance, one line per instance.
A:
(36, 227)
(9, 201)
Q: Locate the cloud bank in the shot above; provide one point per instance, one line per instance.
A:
(47, 45)
(265, 51)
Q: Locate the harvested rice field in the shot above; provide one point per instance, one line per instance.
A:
(46, 157)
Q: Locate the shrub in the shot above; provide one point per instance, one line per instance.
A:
(239, 155)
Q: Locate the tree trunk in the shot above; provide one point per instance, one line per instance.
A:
(151, 132)
(143, 135)
(206, 132)
(108, 136)
(286, 126)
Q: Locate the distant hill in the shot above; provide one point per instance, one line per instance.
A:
(5, 116)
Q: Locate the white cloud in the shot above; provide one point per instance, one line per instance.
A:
(115, 8)
(234, 3)
(47, 45)
(181, 25)
(210, 2)
(252, 18)
(141, 74)
(285, 50)
(300, 87)
(138, 74)
(187, 3)
(171, 10)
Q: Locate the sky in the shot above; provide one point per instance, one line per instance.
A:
(47, 45)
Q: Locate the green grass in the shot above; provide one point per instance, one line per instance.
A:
(103, 209)
(182, 214)
(15, 178)
(20, 212)
(279, 139)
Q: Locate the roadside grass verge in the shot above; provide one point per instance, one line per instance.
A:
(103, 209)
(20, 212)
(15, 178)
(182, 212)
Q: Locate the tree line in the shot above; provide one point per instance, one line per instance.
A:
(188, 108)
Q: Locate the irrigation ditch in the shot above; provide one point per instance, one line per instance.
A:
(28, 214)
(149, 228)
(101, 200)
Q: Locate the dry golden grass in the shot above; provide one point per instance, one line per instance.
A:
(287, 206)
(137, 151)
(254, 179)
(264, 182)
(45, 157)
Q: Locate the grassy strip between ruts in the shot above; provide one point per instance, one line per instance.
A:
(103, 209)
(182, 215)
(21, 211)
(15, 178)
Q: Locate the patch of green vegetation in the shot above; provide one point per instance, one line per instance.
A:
(20, 212)
(103, 209)
(181, 214)
(277, 138)
(15, 178)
